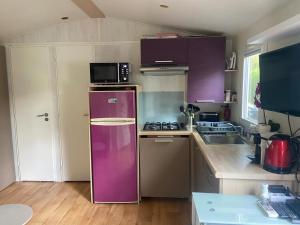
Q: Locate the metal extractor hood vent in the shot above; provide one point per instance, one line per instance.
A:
(176, 70)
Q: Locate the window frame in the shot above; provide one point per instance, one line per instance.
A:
(246, 88)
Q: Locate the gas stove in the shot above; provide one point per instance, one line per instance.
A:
(157, 126)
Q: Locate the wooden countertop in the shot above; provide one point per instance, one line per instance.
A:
(227, 161)
(231, 162)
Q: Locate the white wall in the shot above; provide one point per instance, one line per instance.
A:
(110, 40)
(93, 30)
(114, 36)
(7, 171)
(240, 44)
(120, 39)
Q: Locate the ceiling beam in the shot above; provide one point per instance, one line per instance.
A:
(90, 8)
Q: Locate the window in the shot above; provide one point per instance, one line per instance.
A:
(251, 79)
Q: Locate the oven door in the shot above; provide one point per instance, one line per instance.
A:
(104, 73)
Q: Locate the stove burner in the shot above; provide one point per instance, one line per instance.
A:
(161, 126)
(152, 126)
(170, 126)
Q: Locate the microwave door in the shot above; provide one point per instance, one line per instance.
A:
(104, 72)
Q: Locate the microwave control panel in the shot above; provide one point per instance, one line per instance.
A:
(124, 72)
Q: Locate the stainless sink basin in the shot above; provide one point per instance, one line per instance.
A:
(222, 139)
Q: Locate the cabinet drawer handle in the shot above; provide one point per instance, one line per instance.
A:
(164, 61)
(163, 140)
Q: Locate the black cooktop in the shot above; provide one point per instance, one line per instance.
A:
(156, 126)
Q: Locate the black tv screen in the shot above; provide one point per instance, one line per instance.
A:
(280, 80)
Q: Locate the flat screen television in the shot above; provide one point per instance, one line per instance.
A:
(280, 80)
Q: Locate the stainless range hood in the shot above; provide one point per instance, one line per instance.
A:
(164, 70)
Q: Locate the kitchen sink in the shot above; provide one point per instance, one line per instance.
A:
(222, 139)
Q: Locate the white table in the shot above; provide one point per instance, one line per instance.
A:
(230, 209)
(15, 214)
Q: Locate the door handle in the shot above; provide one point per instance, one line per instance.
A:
(41, 115)
(85, 114)
(163, 140)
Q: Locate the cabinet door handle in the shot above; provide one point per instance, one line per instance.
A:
(163, 140)
(164, 136)
(164, 61)
(205, 101)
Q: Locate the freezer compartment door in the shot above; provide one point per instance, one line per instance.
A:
(112, 104)
(114, 162)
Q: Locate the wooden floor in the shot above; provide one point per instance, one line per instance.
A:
(69, 203)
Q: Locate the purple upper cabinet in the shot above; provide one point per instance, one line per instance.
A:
(206, 69)
(164, 51)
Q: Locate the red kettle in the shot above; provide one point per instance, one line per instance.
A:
(281, 155)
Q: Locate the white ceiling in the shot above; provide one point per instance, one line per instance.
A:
(226, 16)
(20, 16)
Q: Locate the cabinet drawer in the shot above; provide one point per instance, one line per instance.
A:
(165, 167)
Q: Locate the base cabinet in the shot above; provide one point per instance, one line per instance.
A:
(165, 166)
(203, 178)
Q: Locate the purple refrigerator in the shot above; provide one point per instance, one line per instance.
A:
(113, 138)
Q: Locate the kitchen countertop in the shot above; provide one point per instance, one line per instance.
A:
(228, 161)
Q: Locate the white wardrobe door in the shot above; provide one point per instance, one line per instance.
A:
(73, 80)
(32, 97)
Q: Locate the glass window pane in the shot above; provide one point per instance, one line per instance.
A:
(252, 77)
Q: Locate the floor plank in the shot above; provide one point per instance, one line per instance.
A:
(69, 204)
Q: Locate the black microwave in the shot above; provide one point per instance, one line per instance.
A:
(109, 73)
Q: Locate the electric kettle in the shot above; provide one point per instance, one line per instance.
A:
(281, 154)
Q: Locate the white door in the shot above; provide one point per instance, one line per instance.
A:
(73, 81)
(30, 70)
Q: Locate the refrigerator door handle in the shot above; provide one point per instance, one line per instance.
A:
(121, 120)
(113, 123)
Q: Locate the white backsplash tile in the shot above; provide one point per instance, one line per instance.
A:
(160, 106)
